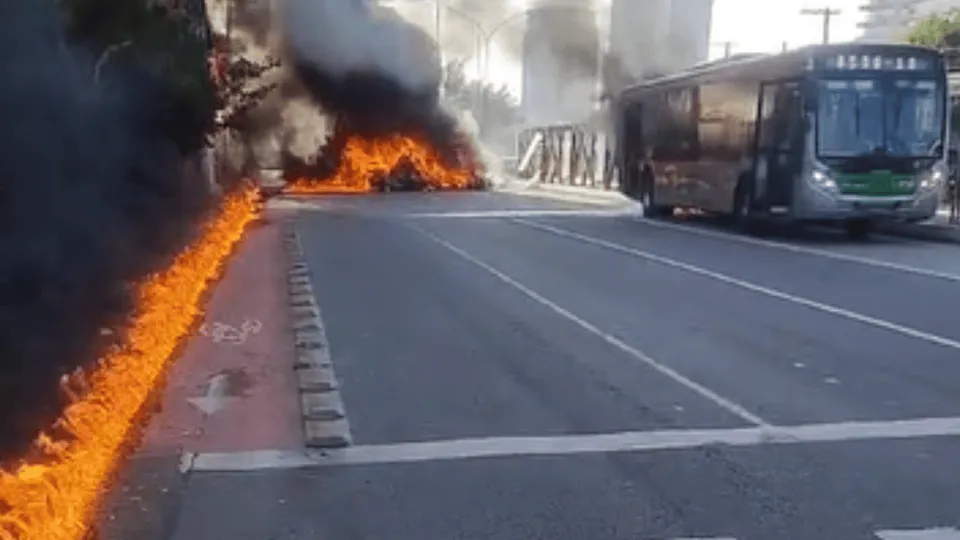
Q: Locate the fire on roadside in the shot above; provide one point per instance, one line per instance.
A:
(395, 162)
(56, 496)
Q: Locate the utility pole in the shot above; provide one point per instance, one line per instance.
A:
(825, 13)
(727, 48)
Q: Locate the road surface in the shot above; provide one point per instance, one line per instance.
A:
(516, 368)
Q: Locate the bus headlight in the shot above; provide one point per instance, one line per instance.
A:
(823, 180)
(932, 180)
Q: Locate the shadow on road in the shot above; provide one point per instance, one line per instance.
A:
(813, 235)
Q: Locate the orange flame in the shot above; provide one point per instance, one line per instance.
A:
(56, 497)
(365, 161)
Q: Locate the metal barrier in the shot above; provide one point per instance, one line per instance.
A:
(565, 154)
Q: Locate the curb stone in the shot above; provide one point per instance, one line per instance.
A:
(321, 407)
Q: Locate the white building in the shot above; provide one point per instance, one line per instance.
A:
(644, 38)
(650, 37)
(689, 31)
(559, 64)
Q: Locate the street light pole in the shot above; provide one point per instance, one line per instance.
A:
(438, 12)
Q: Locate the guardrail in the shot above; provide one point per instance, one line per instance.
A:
(565, 154)
(578, 155)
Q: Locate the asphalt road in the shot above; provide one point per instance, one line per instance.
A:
(586, 374)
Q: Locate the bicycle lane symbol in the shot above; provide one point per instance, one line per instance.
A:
(227, 334)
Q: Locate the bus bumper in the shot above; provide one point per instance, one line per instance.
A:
(822, 206)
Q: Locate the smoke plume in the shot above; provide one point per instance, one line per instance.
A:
(368, 68)
(92, 199)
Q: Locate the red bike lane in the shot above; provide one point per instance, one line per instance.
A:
(233, 389)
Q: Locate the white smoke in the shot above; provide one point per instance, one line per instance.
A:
(345, 36)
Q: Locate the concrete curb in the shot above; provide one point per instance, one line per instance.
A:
(324, 417)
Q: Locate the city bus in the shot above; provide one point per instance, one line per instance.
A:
(848, 134)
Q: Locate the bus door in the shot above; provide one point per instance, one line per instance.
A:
(631, 147)
(780, 145)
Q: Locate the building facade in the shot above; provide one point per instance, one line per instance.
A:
(652, 37)
(560, 53)
(689, 31)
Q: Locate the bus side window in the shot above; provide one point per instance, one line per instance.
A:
(768, 118)
(678, 126)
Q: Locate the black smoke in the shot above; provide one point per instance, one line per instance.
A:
(375, 73)
(92, 198)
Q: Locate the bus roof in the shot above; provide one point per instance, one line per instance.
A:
(792, 61)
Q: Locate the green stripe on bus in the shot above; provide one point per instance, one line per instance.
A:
(877, 184)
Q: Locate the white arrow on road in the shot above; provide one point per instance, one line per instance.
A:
(216, 397)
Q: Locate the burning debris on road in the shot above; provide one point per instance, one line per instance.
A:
(353, 163)
(378, 76)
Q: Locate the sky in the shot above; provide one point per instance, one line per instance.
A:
(763, 25)
(751, 26)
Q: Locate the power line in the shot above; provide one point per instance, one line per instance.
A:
(826, 13)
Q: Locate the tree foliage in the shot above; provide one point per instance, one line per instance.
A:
(493, 106)
(151, 42)
(942, 32)
(208, 86)
(937, 31)
(242, 84)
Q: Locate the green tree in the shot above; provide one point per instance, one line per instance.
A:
(937, 31)
(941, 32)
(163, 44)
(494, 107)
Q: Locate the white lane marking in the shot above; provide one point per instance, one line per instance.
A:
(705, 392)
(520, 213)
(559, 445)
(774, 293)
(925, 534)
(689, 229)
(593, 199)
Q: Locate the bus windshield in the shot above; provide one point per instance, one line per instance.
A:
(895, 118)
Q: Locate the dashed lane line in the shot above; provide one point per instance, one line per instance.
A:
(496, 214)
(637, 354)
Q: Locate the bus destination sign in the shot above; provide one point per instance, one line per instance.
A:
(884, 62)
